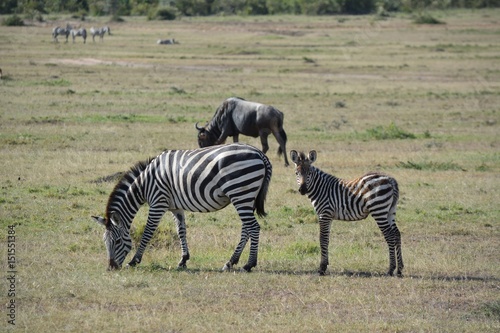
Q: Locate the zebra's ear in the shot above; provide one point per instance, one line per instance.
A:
(115, 219)
(99, 219)
(312, 156)
(294, 156)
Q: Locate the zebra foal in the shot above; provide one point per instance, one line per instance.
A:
(200, 180)
(373, 194)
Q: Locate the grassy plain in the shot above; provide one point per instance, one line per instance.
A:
(420, 102)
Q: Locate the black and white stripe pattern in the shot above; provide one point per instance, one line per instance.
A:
(61, 31)
(373, 194)
(201, 180)
(79, 32)
(99, 32)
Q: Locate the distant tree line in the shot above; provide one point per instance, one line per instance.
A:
(170, 8)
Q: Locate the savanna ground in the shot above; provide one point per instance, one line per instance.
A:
(420, 102)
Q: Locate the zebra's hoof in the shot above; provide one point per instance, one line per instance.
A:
(227, 267)
(247, 268)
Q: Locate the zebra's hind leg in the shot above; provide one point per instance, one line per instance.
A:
(254, 231)
(181, 232)
(393, 239)
(399, 254)
(235, 258)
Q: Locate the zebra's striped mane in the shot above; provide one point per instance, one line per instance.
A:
(124, 184)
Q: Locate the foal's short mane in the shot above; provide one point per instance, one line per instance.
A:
(124, 183)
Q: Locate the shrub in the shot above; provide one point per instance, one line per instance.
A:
(165, 14)
(426, 19)
(358, 7)
(13, 21)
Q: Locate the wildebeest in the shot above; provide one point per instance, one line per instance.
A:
(79, 32)
(61, 31)
(236, 115)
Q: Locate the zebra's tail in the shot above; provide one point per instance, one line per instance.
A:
(283, 135)
(395, 193)
(261, 197)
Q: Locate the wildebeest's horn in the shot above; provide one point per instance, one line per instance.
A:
(198, 128)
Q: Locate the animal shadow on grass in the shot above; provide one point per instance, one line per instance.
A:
(154, 267)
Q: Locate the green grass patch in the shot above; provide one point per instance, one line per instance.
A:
(54, 83)
(165, 236)
(304, 248)
(133, 118)
(389, 132)
(489, 310)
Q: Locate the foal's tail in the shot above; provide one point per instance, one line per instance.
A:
(395, 196)
(261, 197)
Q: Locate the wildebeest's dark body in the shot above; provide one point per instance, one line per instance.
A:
(236, 115)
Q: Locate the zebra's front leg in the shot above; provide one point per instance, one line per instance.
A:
(324, 241)
(181, 232)
(151, 226)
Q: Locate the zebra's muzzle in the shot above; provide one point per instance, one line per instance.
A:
(303, 189)
(113, 265)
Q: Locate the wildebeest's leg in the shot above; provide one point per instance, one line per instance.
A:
(181, 232)
(223, 136)
(281, 138)
(263, 140)
(236, 138)
(325, 223)
(155, 213)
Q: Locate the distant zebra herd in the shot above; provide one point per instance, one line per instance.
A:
(215, 175)
(79, 32)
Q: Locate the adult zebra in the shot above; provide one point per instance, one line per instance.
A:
(96, 31)
(106, 29)
(99, 31)
(201, 180)
(61, 31)
(373, 194)
(79, 32)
